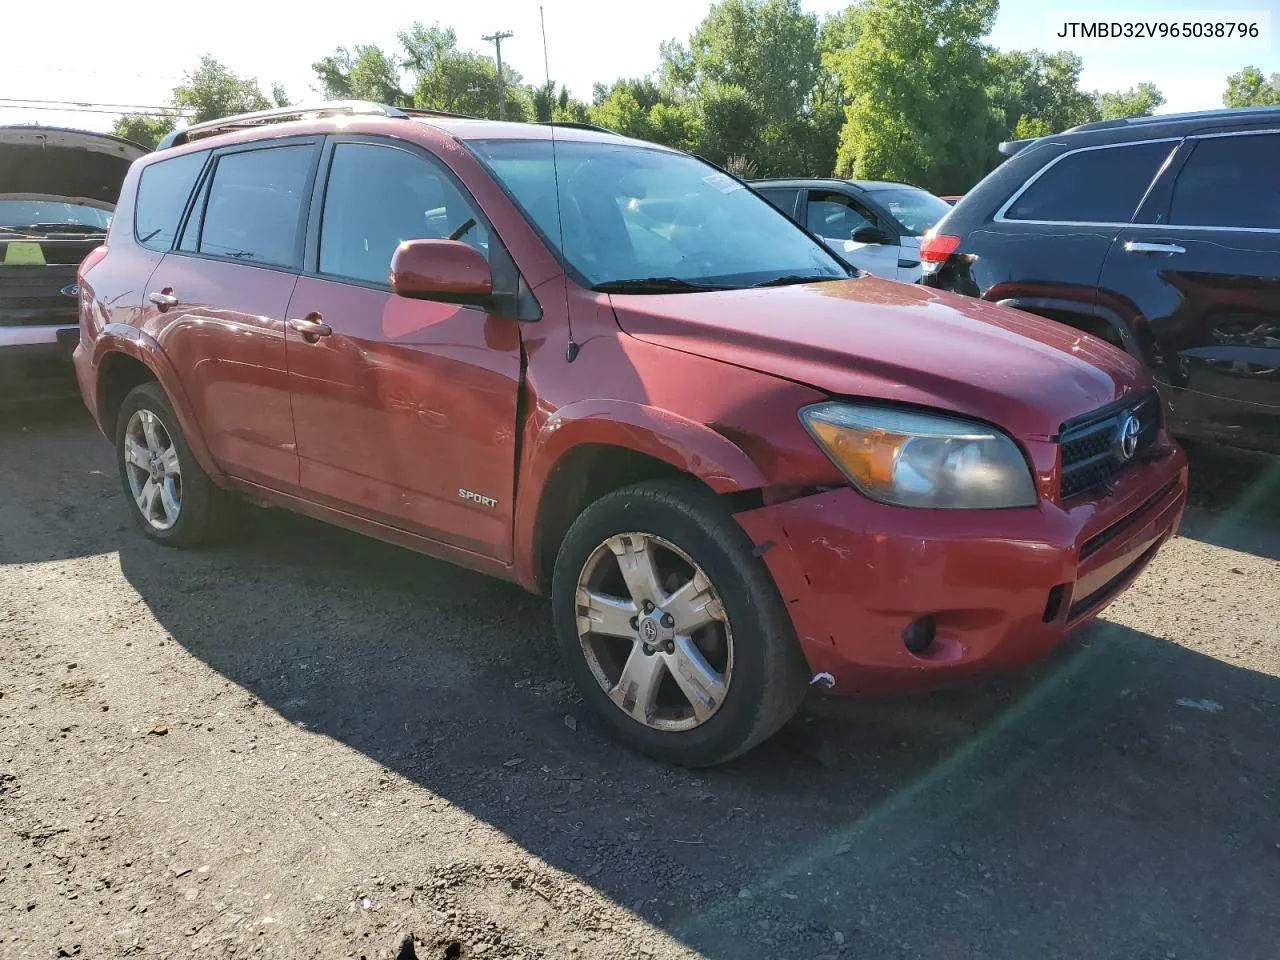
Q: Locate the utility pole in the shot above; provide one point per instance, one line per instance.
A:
(496, 39)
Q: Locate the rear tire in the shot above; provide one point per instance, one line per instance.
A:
(714, 668)
(172, 500)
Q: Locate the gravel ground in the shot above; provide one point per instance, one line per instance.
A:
(307, 744)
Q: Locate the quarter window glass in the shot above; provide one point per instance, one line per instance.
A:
(1093, 186)
(835, 216)
(254, 205)
(784, 200)
(1230, 182)
(378, 197)
(162, 196)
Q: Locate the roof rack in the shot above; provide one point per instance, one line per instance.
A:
(331, 108)
(576, 125)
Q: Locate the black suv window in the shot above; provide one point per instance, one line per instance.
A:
(782, 198)
(1230, 182)
(252, 212)
(378, 196)
(1103, 185)
(163, 191)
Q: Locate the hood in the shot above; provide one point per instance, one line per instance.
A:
(73, 164)
(894, 341)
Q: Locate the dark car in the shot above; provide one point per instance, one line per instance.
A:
(58, 189)
(873, 224)
(1160, 234)
(556, 356)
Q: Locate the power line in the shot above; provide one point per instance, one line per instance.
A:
(141, 113)
(88, 104)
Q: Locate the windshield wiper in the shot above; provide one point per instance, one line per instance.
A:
(792, 278)
(654, 285)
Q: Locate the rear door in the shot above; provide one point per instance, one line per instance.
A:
(785, 199)
(221, 298)
(1045, 250)
(1202, 273)
(405, 409)
(835, 217)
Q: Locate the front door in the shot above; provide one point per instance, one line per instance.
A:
(405, 410)
(835, 218)
(221, 298)
(1203, 275)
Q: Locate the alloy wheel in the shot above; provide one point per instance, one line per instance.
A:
(153, 469)
(654, 632)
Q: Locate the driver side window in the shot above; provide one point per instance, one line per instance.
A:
(835, 216)
(378, 196)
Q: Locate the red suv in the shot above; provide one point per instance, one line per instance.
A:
(609, 372)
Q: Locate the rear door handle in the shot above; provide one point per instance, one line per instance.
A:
(312, 328)
(162, 299)
(1139, 246)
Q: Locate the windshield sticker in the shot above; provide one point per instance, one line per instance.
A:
(723, 183)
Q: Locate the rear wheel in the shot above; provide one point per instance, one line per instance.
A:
(672, 627)
(171, 498)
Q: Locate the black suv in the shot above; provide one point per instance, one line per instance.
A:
(1160, 234)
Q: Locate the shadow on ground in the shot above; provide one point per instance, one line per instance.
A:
(1075, 811)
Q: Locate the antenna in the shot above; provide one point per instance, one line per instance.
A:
(571, 349)
(496, 39)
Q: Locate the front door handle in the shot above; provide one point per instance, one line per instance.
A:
(1139, 246)
(164, 299)
(311, 327)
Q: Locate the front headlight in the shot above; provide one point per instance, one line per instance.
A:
(915, 459)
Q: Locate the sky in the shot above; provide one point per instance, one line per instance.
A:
(135, 51)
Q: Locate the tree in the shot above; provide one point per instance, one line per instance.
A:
(212, 91)
(144, 129)
(459, 81)
(1249, 88)
(918, 109)
(1139, 101)
(370, 74)
(1042, 90)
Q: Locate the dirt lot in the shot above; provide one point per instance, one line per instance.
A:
(306, 744)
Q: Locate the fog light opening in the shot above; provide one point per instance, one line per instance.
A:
(919, 634)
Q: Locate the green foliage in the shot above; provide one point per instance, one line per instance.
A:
(1029, 127)
(1042, 89)
(918, 109)
(365, 73)
(212, 91)
(1249, 88)
(1139, 101)
(143, 129)
(460, 81)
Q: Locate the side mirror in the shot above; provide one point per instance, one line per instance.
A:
(447, 270)
(869, 234)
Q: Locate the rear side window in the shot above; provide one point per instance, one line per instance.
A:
(784, 200)
(377, 197)
(1093, 186)
(1230, 182)
(253, 210)
(163, 191)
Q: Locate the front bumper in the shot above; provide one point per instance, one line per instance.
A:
(1003, 586)
(35, 362)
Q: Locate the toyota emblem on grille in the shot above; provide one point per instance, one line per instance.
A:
(1127, 438)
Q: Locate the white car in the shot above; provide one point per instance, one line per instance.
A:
(873, 224)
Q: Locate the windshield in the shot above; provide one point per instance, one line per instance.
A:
(631, 213)
(56, 213)
(917, 210)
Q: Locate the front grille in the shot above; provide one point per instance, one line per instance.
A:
(1091, 448)
(30, 295)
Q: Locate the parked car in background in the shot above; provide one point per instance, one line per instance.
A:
(874, 225)
(952, 199)
(609, 372)
(1159, 234)
(57, 191)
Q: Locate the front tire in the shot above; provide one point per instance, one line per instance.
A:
(672, 627)
(172, 500)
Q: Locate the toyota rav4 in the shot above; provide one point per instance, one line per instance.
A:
(611, 373)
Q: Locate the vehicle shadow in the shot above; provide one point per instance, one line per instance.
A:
(1234, 500)
(1009, 816)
